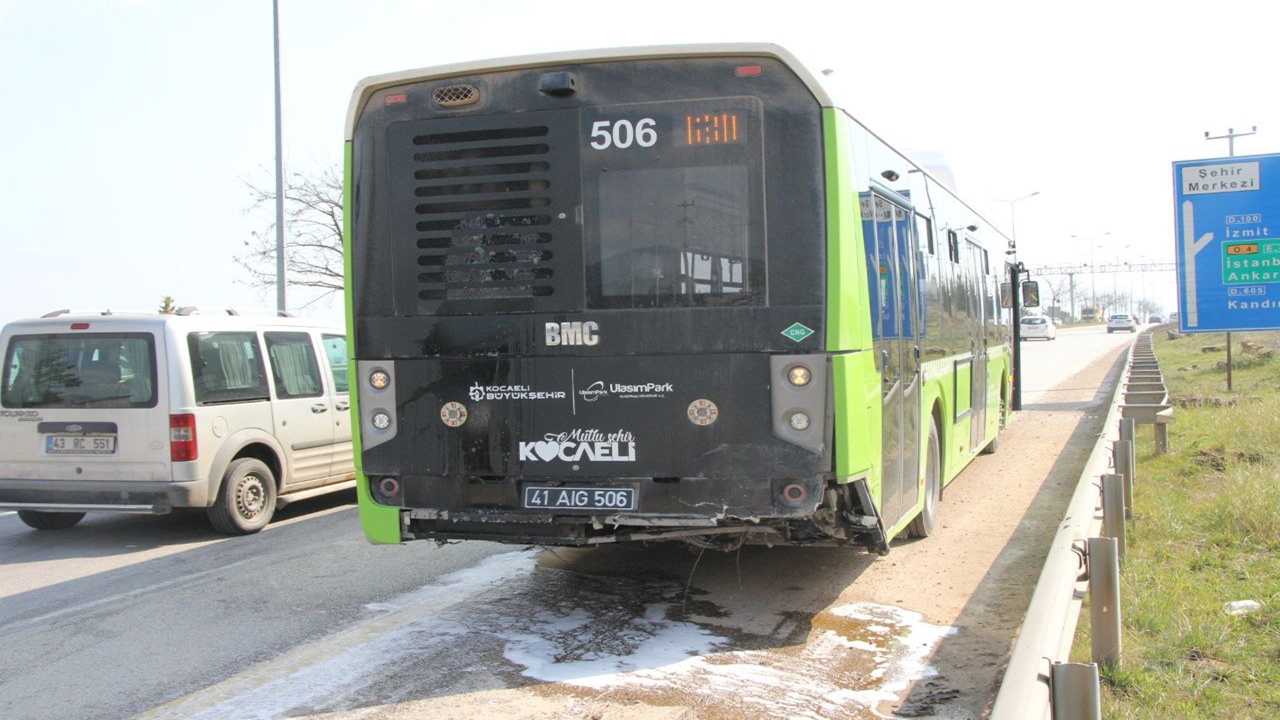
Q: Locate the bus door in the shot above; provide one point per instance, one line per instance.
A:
(975, 275)
(889, 240)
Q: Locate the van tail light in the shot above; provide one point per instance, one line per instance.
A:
(182, 438)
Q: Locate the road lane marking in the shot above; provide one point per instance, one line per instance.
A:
(104, 601)
(319, 670)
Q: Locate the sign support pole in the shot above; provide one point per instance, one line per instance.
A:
(1231, 152)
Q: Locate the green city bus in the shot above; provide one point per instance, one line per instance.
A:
(666, 293)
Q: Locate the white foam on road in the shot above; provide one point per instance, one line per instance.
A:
(599, 633)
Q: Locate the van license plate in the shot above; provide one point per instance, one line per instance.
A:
(80, 444)
(579, 498)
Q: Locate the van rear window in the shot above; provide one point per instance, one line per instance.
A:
(105, 370)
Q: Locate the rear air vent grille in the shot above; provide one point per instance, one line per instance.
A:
(487, 210)
(455, 95)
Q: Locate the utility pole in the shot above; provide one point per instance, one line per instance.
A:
(281, 307)
(1071, 278)
(1230, 137)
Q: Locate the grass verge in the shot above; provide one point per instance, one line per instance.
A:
(1205, 533)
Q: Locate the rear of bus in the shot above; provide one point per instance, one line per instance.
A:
(587, 300)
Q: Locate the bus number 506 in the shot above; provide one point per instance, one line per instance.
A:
(622, 134)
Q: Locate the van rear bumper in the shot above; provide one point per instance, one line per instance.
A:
(149, 498)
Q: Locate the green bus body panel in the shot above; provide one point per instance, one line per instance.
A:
(848, 320)
(857, 420)
(945, 389)
(963, 389)
(381, 523)
(856, 382)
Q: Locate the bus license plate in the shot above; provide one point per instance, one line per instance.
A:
(579, 498)
(80, 444)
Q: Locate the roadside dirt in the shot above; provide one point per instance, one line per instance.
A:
(798, 618)
(982, 586)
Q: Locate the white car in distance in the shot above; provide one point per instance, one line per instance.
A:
(1121, 322)
(1037, 326)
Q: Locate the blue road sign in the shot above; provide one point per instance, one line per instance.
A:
(1228, 243)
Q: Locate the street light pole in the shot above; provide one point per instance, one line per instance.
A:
(1013, 220)
(1093, 267)
(1015, 279)
(281, 306)
(1093, 280)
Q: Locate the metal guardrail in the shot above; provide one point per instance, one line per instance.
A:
(1084, 556)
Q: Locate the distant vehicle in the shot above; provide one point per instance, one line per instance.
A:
(1156, 319)
(1121, 322)
(1037, 326)
(145, 413)
(1173, 318)
(1089, 314)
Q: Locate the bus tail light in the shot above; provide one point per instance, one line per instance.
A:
(182, 438)
(799, 375)
(794, 495)
(799, 400)
(376, 393)
(388, 491)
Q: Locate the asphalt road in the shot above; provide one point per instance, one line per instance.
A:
(161, 617)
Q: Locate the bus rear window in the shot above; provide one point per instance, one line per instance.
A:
(673, 196)
(103, 370)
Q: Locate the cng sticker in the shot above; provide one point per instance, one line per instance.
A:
(797, 332)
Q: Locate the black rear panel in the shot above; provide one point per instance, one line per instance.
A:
(590, 417)
(578, 274)
(475, 224)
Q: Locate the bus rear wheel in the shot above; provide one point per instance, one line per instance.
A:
(926, 522)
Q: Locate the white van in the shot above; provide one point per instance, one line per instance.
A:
(145, 413)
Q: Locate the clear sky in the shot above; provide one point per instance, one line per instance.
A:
(131, 127)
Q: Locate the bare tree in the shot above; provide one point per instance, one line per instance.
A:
(1113, 302)
(1148, 307)
(1057, 285)
(313, 237)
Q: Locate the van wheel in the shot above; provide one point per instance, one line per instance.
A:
(925, 523)
(49, 520)
(247, 499)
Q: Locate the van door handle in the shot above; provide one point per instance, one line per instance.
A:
(342, 406)
(319, 408)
